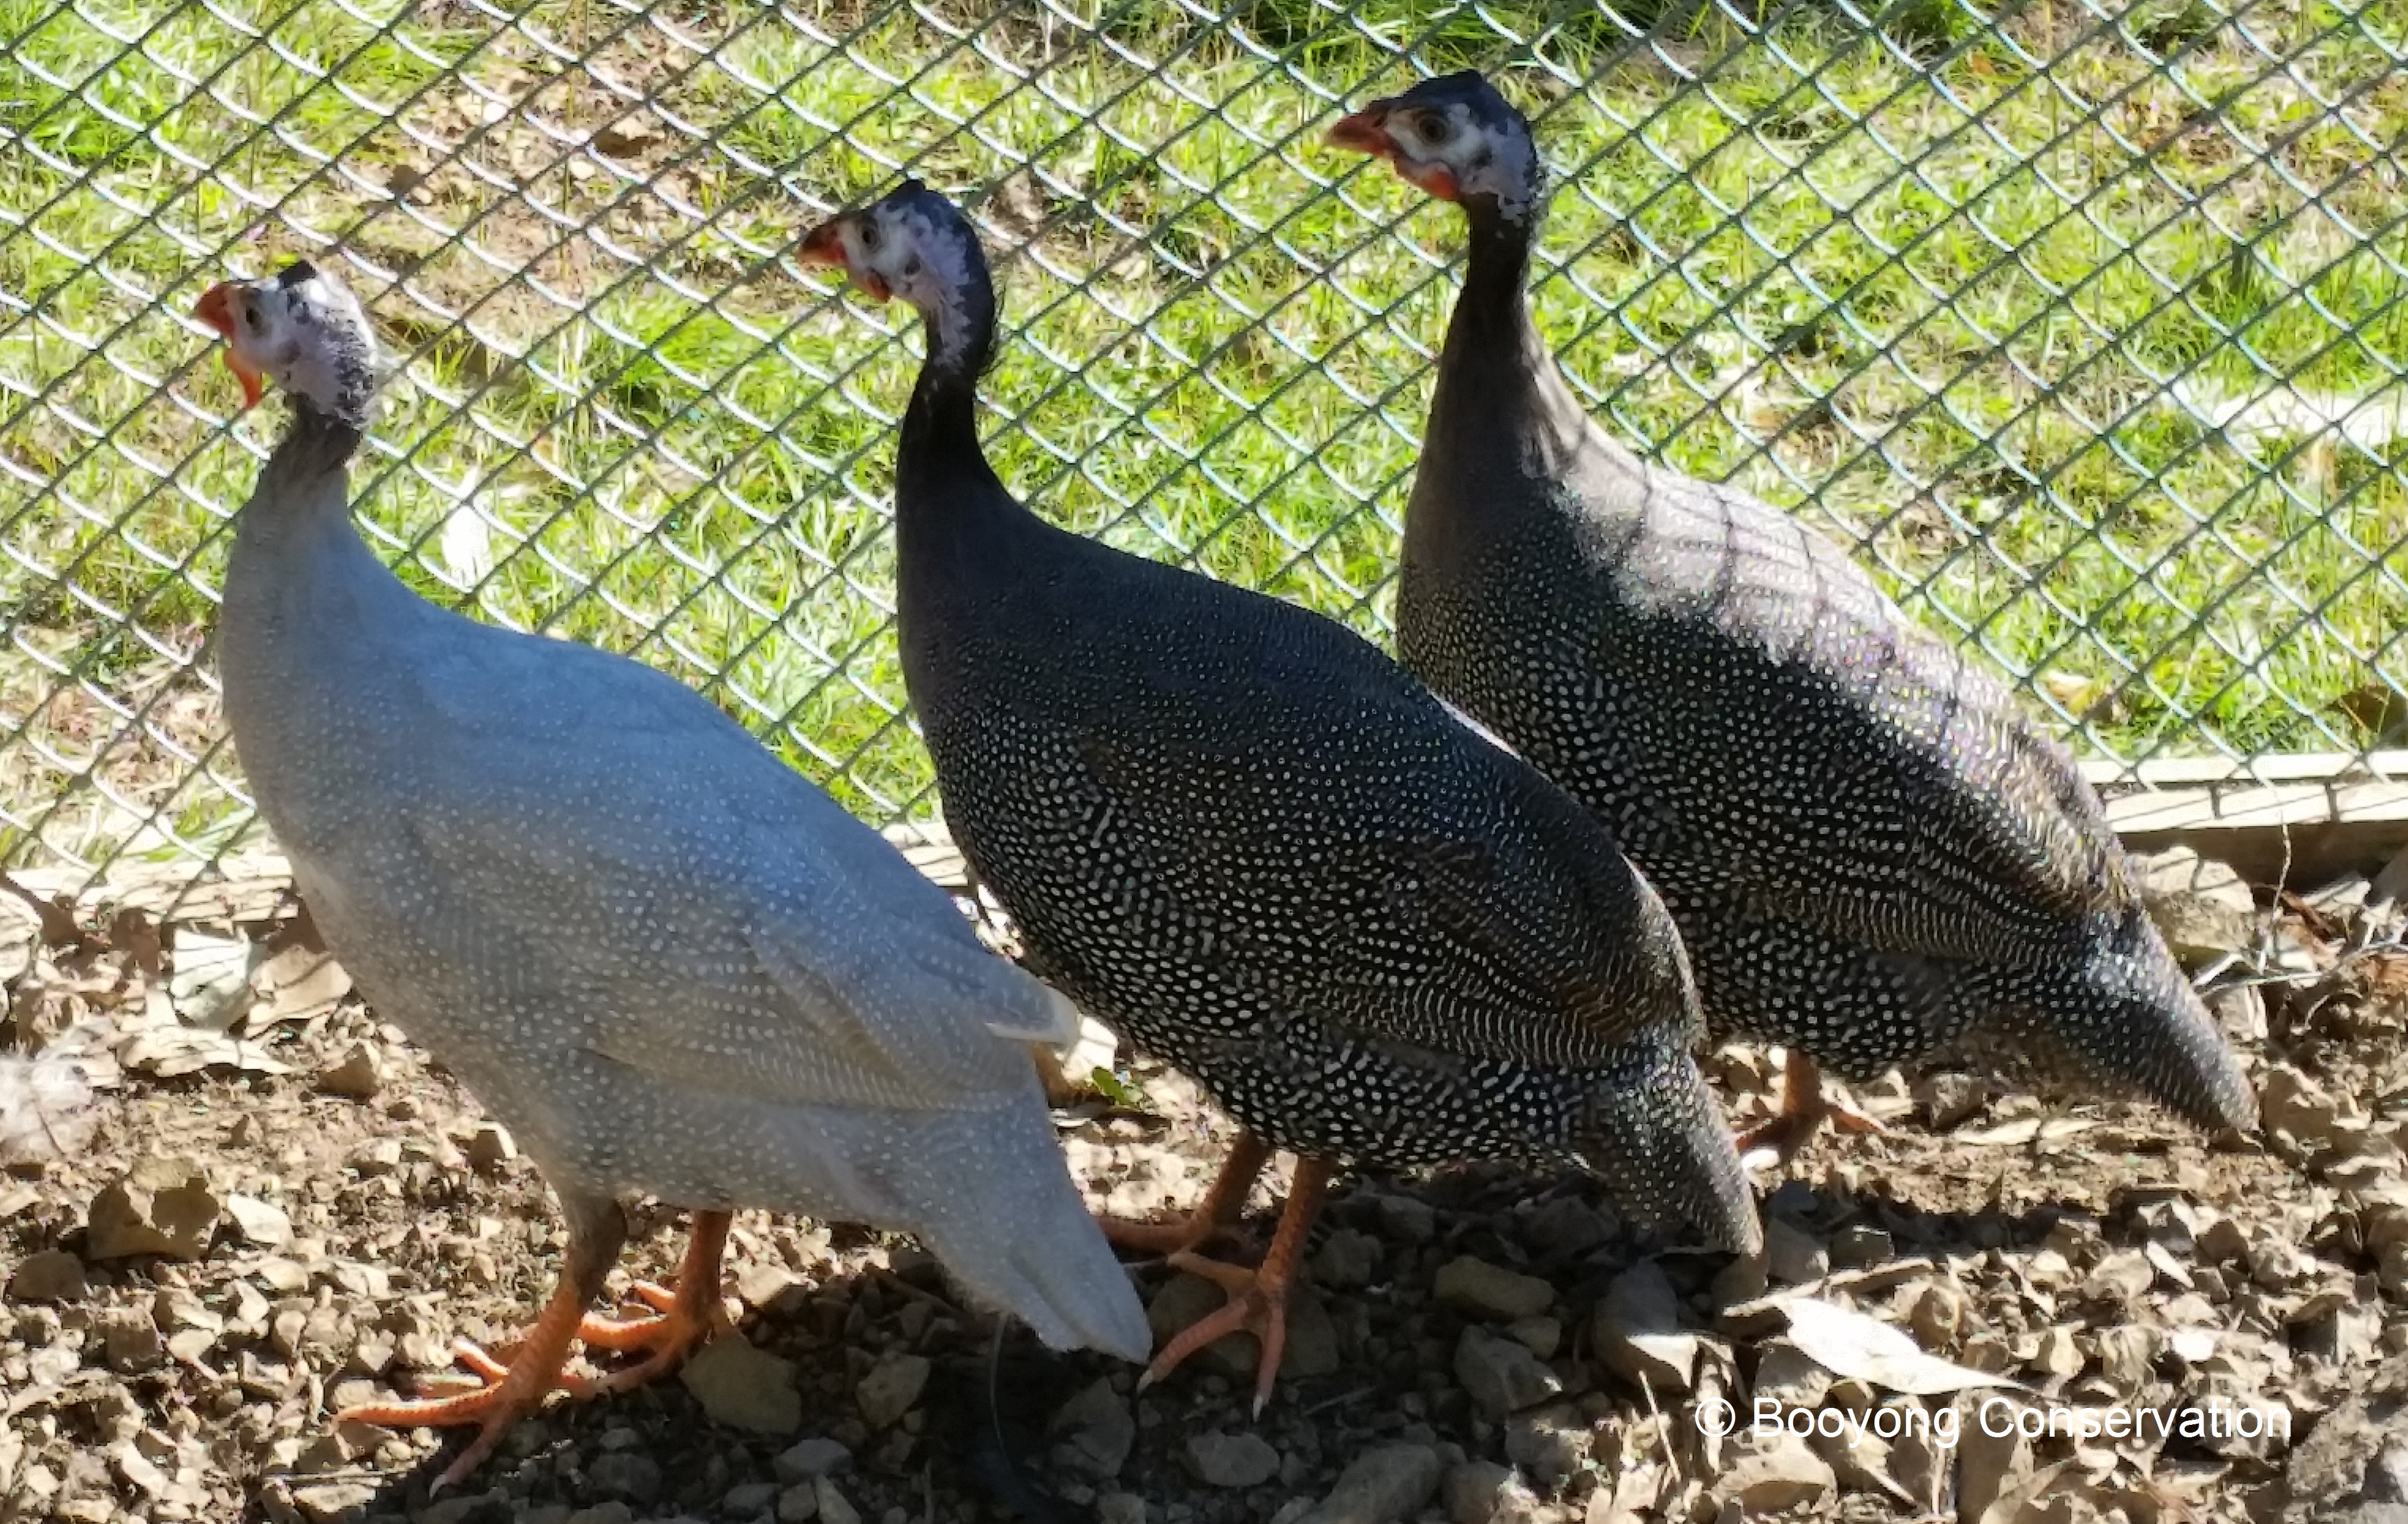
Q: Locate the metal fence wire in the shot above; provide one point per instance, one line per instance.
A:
(2081, 321)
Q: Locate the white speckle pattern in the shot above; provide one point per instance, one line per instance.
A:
(1871, 855)
(667, 963)
(1251, 842)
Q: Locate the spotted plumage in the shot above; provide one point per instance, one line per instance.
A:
(1872, 855)
(667, 962)
(1250, 841)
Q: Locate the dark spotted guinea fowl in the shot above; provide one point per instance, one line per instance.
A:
(665, 961)
(1873, 857)
(1248, 840)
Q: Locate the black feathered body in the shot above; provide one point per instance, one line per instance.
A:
(1871, 854)
(1251, 842)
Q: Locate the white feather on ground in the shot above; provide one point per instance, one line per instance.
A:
(46, 1099)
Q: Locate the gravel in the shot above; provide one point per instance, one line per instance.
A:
(236, 1250)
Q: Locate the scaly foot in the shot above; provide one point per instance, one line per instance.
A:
(682, 1320)
(509, 1394)
(1258, 1299)
(1805, 1107)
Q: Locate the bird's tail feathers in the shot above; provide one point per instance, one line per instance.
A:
(1010, 1224)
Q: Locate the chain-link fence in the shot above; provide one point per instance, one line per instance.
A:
(2082, 320)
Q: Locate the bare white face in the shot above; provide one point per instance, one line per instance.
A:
(895, 250)
(310, 339)
(1450, 152)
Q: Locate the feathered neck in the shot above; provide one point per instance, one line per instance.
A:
(940, 468)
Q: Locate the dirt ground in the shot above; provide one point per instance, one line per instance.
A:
(271, 1205)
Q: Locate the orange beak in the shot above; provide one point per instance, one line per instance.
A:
(822, 247)
(1364, 131)
(216, 308)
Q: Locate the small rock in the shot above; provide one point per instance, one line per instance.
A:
(1472, 1490)
(1542, 1336)
(1408, 1220)
(1347, 1261)
(1475, 1288)
(262, 1224)
(490, 1147)
(748, 1499)
(1231, 1460)
(2058, 1354)
(1548, 1443)
(626, 1474)
(1383, 1484)
(1120, 1508)
(50, 1276)
(1786, 1374)
(834, 1506)
(334, 1503)
(1946, 1099)
(1636, 1329)
(359, 1074)
(2201, 907)
(812, 1457)
(161, 1206)
(891, 1388)
(1565, 1226)
(1772, 1474)
(799, 1503)
(744, 1387)
(1500, 1375)
(1939, 1315)
(771, 1288)
(130, 1340)
(1098, 1431)
(1859, 1245)
(1791, 1254)
(613, 1512)
(1991, 1458)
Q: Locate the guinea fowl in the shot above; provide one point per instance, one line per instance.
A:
(667, 962)
(1251, 842)
(1872, 855)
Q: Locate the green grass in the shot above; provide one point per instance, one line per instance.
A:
(1985, 319)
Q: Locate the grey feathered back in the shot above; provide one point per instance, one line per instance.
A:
(665, 962)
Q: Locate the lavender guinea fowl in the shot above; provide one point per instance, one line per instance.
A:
(1872, 855)
(1255, 845)
(665, 962)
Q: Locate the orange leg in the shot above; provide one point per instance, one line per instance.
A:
(1257, 1302)
(1804, 1108)
(682, 1319)
(1222, 1202)
(537, 1367)
(494, 1408)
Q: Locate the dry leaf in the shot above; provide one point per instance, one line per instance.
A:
(169, 1051)
(1848, 1343)
(2027, 1130)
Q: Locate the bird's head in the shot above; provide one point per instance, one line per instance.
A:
(301, 329)
(914, 245)
(1455, 138)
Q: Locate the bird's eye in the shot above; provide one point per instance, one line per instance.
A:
(251, 315)
(1435, 126)
(870, 238)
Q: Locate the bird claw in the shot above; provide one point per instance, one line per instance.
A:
(679, 1322)
(1161, 1240)
(1257, 1304)
(505, 1395)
